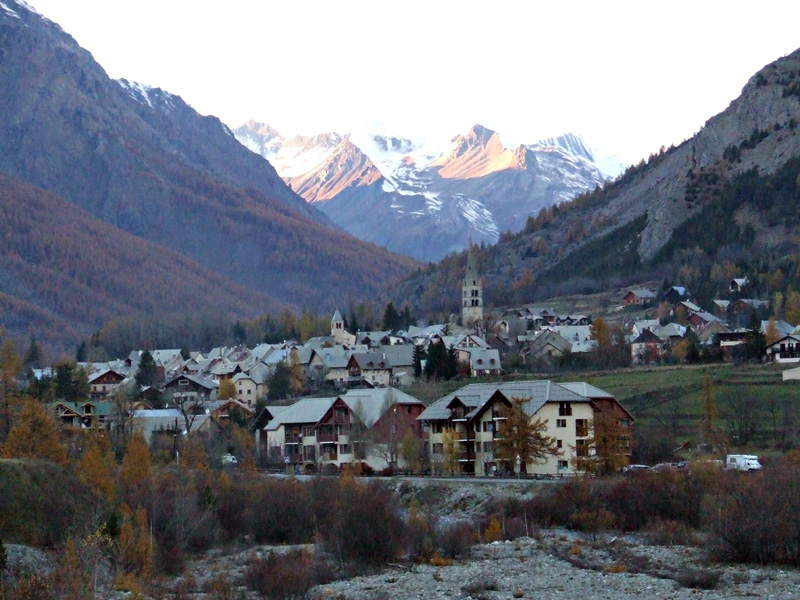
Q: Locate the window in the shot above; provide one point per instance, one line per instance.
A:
(581, 427)
(561, 422)
(344, 448)
(438, 448)
(559, 444)
(581, 449)
(564, 409)
(563, 465)
(488, 446)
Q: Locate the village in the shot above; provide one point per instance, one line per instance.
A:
(354, 410)
(359, 414)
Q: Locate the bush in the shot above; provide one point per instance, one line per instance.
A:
(281, 576)
(755, 519)
(698, 579)
(365, 527)
(456, 540)
(281, 513)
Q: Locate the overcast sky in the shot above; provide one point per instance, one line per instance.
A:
(628, 76)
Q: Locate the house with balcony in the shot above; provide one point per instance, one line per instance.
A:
(365, 425)
(476, 414)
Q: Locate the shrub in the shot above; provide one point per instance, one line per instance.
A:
(281, 576)
(365, 526)
(281, 513)
(456, 540)
(699, 579)
(755, 519)
(493, 532)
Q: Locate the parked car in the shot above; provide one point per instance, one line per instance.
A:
(229, 460)
(633, 469)
(742, 462)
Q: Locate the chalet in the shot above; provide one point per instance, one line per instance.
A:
(105, 382)
(701, 319)
(746, 305)
(362, 425)
(572, 320)
(638, 296)
(737, 284)
(580, 336)
(640, 326)
(675, 294)
(369, 368)
(544, 345)
(476, 413)
(720, 307)
(92, 414)
(785, 350)
(484, 362)
(196, 389)
(646, 348)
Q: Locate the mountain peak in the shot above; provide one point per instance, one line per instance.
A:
(571, 142)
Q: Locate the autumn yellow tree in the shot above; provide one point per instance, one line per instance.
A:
(35, 434)
(772, 333)
(135, 543)
(10, 368)
(608, 447)
(523, 437)
(297, 381)
(791, 307)
(600, 333)
(227, 389)
(450, 451)
(134, 475)
(96, 466)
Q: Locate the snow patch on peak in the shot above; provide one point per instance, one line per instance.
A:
(572, 143)
(27, 7)
(155, 98)
(9, 11)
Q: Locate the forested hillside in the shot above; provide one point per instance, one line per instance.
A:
(64, 273)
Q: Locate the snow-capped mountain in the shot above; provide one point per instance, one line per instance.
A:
(427, 199)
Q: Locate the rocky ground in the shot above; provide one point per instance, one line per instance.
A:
(554, 564)
(549, 564)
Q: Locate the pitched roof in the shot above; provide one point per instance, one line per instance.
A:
(475, 395)
(306, 410)
(371, 404)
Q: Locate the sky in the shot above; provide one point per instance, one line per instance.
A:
(627, 76)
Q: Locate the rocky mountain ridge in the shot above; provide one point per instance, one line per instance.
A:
(429, 199)
(147, 163)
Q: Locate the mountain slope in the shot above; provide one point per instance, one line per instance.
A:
(423, 200)
(144, 161)
(64, 273)
(724, 196)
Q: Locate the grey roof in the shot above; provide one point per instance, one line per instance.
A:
(484, 358)
(586, 390)
(399, 355)
(546, 338)
(336, 316)
(306, 410)
(370, 404)
(642, 293)
(206, 382)
(670, 330)
(475, 395)
(647, 337)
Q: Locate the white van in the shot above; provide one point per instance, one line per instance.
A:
(742, 462)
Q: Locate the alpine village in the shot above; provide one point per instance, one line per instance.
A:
(210, 387)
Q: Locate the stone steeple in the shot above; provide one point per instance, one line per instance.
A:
(471, 294)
